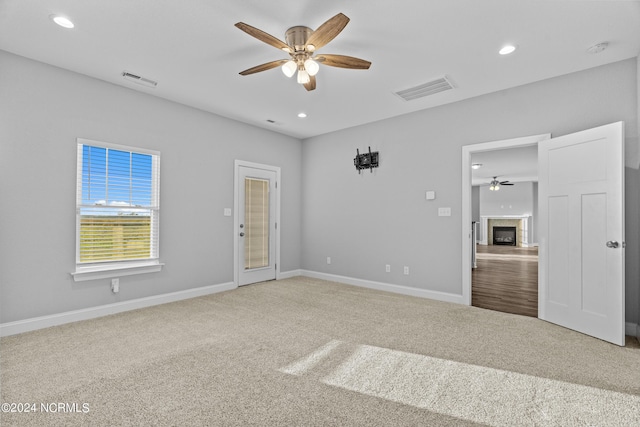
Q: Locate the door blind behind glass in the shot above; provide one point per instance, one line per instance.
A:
(256, 243)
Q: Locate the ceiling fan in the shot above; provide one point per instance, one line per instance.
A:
(495, 184)
(301, 44)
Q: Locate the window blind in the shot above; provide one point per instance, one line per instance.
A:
(256, 243)
(117, 203)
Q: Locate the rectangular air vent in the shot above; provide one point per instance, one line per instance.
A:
(426, 89)
(140, 80)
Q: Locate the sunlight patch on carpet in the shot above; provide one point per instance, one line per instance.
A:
(485, 395)
(307, 363)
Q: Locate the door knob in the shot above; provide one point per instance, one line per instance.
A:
(241, 234)
(612, 244)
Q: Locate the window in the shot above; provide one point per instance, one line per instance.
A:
(117, 210)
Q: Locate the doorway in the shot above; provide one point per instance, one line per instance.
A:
(504, 188)
(581, 208)
(468, 239)
(257, 235)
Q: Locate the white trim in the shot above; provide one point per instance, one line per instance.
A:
(388, 287)
(120, 147)
(20, 326)
(236, 221)
(115, 270)
(289, 274)
(467, 150)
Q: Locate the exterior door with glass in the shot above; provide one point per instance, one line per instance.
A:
(256, 223)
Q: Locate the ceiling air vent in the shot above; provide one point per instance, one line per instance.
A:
(426, 89)
(140, 80)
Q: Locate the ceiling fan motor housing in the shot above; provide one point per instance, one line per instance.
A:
(297, 37)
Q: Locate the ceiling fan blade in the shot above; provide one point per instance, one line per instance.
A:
(328, 31)
(506, 183)
(263, 67)
(312, 83)
(264, 37)
(343, 61)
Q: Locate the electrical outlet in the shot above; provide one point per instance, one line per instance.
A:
(115, 285)
(328, 260)
(406, 270)
(387, 268)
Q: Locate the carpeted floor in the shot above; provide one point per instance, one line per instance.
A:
(306, 352)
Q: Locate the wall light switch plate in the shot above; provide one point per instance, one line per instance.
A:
(227, 211)
(444, 211)
(431, 195)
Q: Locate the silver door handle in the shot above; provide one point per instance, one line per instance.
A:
(612, 244)
(241, 234)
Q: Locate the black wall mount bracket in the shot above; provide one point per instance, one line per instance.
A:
(366, 160)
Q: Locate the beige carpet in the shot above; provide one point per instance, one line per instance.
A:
(305, 352)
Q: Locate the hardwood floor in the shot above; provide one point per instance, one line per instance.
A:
(506, 279)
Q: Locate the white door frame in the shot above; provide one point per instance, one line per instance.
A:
(467, 150)
(236, 216)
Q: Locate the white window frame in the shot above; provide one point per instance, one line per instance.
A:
(87, 271)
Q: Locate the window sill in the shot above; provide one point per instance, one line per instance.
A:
(108, 271)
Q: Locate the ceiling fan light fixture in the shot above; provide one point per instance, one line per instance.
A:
(289, 68)
(311, 66)
(303, 77)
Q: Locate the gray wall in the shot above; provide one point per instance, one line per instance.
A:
(43, 110)
(509, 200)
(362, 221)
(366, 221)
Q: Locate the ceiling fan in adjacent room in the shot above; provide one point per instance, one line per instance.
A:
(495, 184)
(301, 44)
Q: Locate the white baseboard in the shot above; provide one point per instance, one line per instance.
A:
(289, 274)
(20, 326)
(397, 289)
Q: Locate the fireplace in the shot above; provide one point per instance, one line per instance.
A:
(504, 236)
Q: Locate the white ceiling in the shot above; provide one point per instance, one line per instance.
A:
(194, 52)
(510, 164)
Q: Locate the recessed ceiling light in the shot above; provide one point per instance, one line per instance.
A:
(62, 21)
(476, 166)
(302, 115)
(507, 49)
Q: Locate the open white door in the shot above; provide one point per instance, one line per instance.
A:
(256, 223)
(581, 229)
